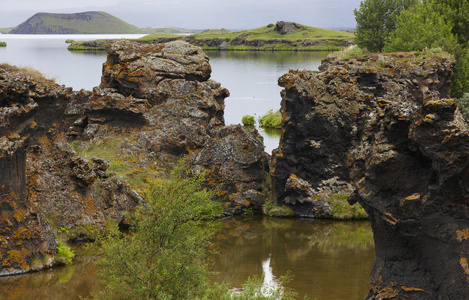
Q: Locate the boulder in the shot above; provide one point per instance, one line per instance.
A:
(283, 27)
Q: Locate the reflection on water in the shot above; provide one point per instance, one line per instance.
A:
(68, 282)
(328, 259)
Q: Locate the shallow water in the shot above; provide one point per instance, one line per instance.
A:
(328, 260)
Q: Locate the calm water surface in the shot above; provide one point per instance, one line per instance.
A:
(250, 76)
(328, 259)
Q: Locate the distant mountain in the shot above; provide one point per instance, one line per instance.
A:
(85, 22)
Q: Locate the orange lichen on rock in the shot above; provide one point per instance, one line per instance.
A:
(465, 265)
(462, 235)
(16, 258)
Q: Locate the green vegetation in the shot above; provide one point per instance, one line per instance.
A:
(135, 169)
(168, 30)
(376, 20)
(87, 22)
(29, 71)
(418, 26)
(3, 44)
(271, 119)
(64, 253)
(248, 120)
(264, 38)
(272, 210)
(164, 255)
(464, 104)
(342, 210)
(5, 30)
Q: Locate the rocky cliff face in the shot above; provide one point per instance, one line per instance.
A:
(163, 92)
(382, 126)
(44, 186)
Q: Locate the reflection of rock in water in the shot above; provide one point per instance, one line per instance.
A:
(328, 254)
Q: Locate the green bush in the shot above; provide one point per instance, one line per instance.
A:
(64, 253)
(271, 119)
(164, 255)
(248, 120)
(3, 44)
(341, 209)
(463, 104)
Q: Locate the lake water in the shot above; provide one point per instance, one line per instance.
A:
(250, 76)
(329, 260)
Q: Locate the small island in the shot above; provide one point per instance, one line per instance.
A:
(282, 36)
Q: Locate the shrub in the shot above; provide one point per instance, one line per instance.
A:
(64, 253)
(271, 119)
(341, 209)
(248, 120)
(3, 44)
(164, 255)
(463, 104)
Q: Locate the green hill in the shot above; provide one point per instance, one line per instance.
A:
(85, 22)
(279, 36)
(283, 36)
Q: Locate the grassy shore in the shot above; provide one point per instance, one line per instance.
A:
(266, 38)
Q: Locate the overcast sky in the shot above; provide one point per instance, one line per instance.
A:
(194, 14)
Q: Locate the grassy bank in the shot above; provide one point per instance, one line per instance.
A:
(266, 38)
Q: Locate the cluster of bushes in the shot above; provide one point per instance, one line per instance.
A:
(3, 44)
(415, 25)
(270, 120)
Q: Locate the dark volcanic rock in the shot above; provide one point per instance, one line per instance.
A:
(165, 94)
(382, 125)
(283, 27)
(43, 185)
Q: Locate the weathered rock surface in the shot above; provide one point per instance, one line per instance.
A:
(283, 27)
(43, 185)
(381, 125)
(164, 94)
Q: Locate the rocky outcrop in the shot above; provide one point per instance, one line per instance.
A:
(283, 27)
(44, 186)
(163, 93)
(382, 127)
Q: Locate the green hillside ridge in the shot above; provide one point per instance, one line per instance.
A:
(91, 22)
(283, 36)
